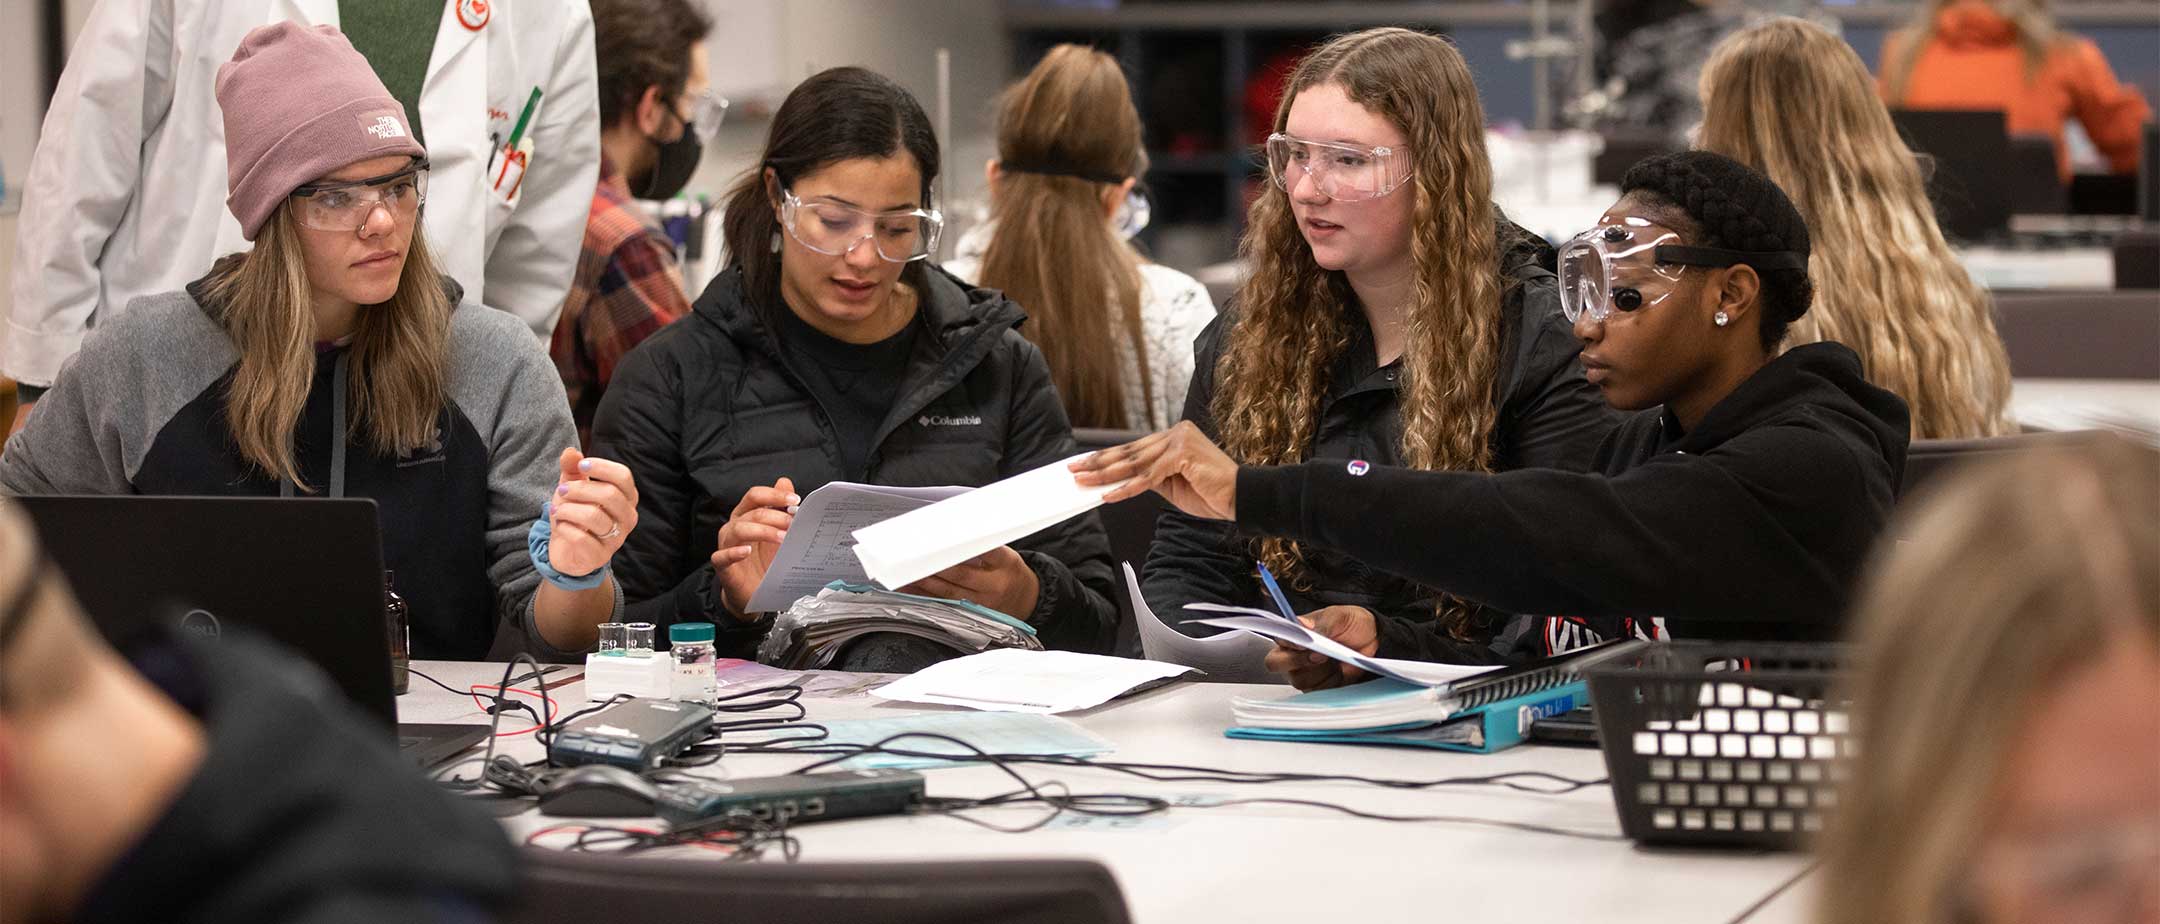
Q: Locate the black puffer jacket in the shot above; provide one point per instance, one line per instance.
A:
(1549, 417)
(709, 408)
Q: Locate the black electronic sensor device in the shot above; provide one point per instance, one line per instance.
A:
(635, 734)
(598, 791)
(794, 799)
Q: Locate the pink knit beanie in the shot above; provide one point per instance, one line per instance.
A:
(300, 103)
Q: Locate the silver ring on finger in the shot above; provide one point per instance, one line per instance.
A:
(614, 529)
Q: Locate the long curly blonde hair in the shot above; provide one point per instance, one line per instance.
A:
(1294, 318)
(1794, 101)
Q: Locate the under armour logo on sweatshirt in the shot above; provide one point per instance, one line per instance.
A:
(431, 452)
(934, 420)
(1359, 466)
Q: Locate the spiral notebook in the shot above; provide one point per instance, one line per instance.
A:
(1394, 703)
(1481, 729)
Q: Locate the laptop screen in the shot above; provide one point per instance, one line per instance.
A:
(305, 573)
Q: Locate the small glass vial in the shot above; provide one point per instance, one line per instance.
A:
(400, 624)
(638, 639)
(691, 643)
(611, 638)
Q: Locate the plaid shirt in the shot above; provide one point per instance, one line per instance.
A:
(627, 287)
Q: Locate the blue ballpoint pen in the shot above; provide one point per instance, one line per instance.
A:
(1282, 603)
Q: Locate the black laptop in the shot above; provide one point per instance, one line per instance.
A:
(306, 573)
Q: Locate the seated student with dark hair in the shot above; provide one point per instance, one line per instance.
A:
(1740, 502)
(225, 782)
(829, 350)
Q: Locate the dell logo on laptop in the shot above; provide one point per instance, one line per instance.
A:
(200, 624)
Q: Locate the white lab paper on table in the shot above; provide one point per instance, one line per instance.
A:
(920, 543)
(1017, 680)
(820, 544)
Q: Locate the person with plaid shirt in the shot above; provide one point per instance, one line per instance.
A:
(652, 84)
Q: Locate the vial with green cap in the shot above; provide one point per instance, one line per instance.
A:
(691, 643)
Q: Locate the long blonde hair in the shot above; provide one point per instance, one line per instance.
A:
(1054, 252)
(1792, 100)
(1294, 318)
(2037, 36)
(2016, 575)
(399, 349)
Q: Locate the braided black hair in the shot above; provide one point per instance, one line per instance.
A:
(1734, 207)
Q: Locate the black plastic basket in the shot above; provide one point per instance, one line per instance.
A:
(1722, 743)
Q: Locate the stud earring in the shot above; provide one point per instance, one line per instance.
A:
(1722, 319)
(776, 244)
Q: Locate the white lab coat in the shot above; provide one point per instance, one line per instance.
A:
(126, 193)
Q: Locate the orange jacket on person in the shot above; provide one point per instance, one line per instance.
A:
(1973, 60)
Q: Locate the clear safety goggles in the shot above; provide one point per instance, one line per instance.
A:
(1344, 172)
(346, 205)
(833, 229)
(707, 111)
(1633, 265)
(1132, 215)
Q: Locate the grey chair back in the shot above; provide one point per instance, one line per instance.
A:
(581, 888)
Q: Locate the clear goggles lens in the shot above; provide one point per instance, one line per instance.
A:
(1344, 172)
(347, 206)
(707, 111)
(1133, 215)
(1615, 268)
(833, 229)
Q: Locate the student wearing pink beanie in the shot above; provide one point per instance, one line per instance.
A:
(334, 359)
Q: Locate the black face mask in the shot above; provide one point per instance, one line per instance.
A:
(673, 165)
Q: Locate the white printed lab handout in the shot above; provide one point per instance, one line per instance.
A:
(1262, 622)
(819, 546)
(920, 543)
(1017, 680)
(1232, 657)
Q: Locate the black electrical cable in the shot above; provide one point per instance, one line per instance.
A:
(1520, 780)
(489, 771)
(438, 683)
(1127, 805)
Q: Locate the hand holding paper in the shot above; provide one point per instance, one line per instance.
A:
(749, 541)
(920, 543)
(1180, 463)
(1261, 622)
(1353, 627)
(999, 579)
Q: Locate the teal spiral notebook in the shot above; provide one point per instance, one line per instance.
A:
(1480, 729)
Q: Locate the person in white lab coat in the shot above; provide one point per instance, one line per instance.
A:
(125, 195)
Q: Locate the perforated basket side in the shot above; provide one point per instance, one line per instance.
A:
(1722, 744)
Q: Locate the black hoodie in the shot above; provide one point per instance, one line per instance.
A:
(302, 811)
(1753, 525)
(714, 405)
(1548, 415)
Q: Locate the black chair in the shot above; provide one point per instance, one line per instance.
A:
(1131, 525)
(1928, 460)
(579, 888)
